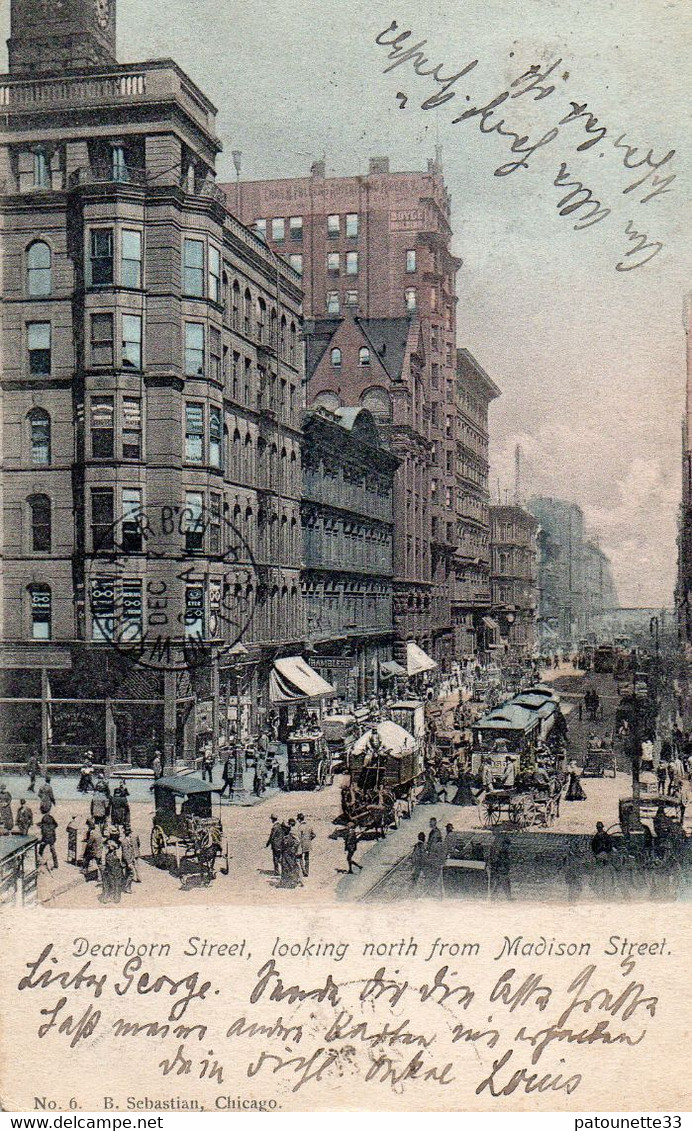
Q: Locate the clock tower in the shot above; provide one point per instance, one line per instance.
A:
(50, 36)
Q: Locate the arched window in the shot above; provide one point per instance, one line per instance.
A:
(329, 400)
(273, 324)
(282, 342)
(38, 270)
(378, 402)
(363, 356)
(247, 313)
(292, 348)
(39, 436)
(41, 612)
(336, 358)
(236, 305)
(39, 506)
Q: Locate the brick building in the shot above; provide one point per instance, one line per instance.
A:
(347, 521)
(375, 256)
(151, 397)
(514, 577)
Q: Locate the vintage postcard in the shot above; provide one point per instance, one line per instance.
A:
(345, 623)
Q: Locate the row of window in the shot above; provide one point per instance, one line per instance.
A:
(333, 300)
(350, 263)
(363, 357)
(279, 228)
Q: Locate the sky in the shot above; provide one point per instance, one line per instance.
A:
(590, 359)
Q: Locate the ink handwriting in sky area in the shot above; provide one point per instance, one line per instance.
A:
(645, 174)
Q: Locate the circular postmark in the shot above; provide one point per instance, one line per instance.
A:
(170, 587)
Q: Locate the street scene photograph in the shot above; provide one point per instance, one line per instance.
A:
(346, 391)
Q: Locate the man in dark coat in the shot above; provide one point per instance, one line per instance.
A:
(93, 847)
(275, 842)
(99, 808)
(48, 825)
(602, 842)
(25, 818)
(6, 817)
(33, 766)
(120, 809)
(350, 845)
(46, 795)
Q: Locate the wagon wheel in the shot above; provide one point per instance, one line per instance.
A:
(490, 814)
(157, 841)
(515, 813)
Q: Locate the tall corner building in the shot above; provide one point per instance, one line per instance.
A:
(151, 380)
(379, 281)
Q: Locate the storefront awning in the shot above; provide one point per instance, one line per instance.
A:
(491, 624)
(292, 679)
(389, 668)
(417, 660)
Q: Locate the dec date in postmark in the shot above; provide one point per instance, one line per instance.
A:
(150, 593)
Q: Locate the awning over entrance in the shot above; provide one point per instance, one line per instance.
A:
(417, 660)
(292, 679)
(491, 624)
(390, 668)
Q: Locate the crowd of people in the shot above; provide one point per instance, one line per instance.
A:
(290, 842)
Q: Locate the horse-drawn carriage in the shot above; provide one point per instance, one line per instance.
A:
(600, 758)
(386, 762)
(534, 800)
(184, 822)
(309, 760)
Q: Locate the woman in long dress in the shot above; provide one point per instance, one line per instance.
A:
(111, 875)
(290, 868)
(574, 789)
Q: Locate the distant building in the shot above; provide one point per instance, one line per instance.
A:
(347, 522)
(514, 578)
(683, 589)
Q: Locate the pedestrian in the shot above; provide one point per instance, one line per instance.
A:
(33, 766)
(434, 837)
(93, 848)
(86, 777)
(258, 780)
(306, 835)
(157, 764)
(350, 845)
(6, 817)
(227, 774)
(661, 776)
(46, 795)
(25, 818)
(509, 773)
(291, 875)
(601, 843)
(130, 853)
(99, 808)
(48, 825)
(207, 764)
(275, 842)
(574, 788)
(684, 797)
(120, 808)
(111, 874)
(418, 859)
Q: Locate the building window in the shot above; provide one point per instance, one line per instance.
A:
(119, 169)
(194, 433)
(363, 356)
(433, 298)
(351, 298)
(131, 258)
(351, 262)
(295, 227)
(132, 521)
(214, 274)
(102, 608)
(296, 262)
(194, 612)
(333, 227)
(132, 428)
(351, 224)
(132, 341)
(247, 312)
(38, 334)
(39, 506)
(41, 169)
(193, 522)
(214, 523)
(194, 349)
(102, 518)
(38, 263)
(40, 603)
(132, 626)
(193, 268)
(102, 430)
(336, 358)
(333, 263)
(39, 427)
(278, 230)
(215, 353)
(261, 229)
(102, 339)
(333, 302)
(215, 436)
(410, 297)
(410, 262)
(101, 257)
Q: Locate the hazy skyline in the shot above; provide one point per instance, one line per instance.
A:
(591, 361)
